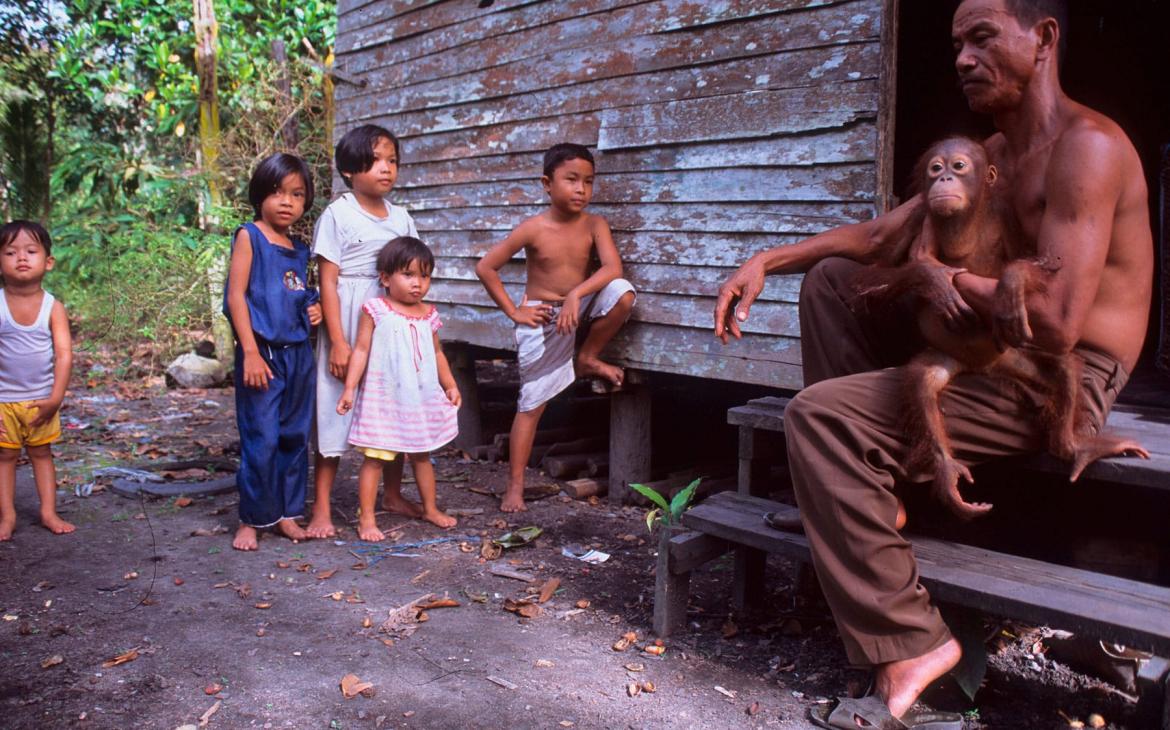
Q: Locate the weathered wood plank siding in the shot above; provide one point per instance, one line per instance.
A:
(721, 127)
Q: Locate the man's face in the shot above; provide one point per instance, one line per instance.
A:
(571, 185)
(994, 55)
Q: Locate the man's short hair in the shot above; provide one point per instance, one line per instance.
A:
(355, 152)
(559, 154)
(1030, 12)
(35, 231)
(271, 172)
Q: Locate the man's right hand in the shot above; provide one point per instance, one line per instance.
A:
(339, 353)
(934, 286)
(741, 290)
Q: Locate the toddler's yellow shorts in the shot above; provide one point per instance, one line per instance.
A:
(18, 430)
(380, 454)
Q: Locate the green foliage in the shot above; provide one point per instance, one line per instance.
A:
(668, 513)
(129, 210)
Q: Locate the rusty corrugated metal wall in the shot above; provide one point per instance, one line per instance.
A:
(722, 128)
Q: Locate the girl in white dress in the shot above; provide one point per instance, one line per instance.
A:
(349, 235)
(408, 400)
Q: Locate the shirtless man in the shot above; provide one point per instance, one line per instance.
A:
(560, 293)
(1075, 183)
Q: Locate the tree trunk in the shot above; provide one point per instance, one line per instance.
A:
(288, 131)
(206, 31)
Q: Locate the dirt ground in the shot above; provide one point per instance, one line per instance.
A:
(264, 639)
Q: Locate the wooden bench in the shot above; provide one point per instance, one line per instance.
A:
(1109, 608)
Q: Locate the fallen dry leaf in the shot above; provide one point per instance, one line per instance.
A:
(132, 575)
(304, 567)
(636, 667)
(351, 686)
(122, 658)
(335, 595)
(422, 617)
(725, 692)
(548, 589)
(326, 574)
(367, 623)
(243, 591)
(209, 531)
(264, 605)
(488, 550)
(213, 689)
(52, 661)
(582, 603)
(466, 547)
(729, 629)
(440, 603)
(544, 663)
(524, 608)
(418, 578)
(178, 581)
(648, 687)
(1096, 721)
(633, 689)
(753, 709)
(184, 502)
(281, 564)
(655, 650)
(624, 643)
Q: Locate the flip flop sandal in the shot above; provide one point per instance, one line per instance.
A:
(874, 713)
(784, 522)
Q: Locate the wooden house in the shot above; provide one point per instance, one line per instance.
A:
(720, 129)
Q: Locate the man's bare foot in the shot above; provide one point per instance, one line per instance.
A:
(245, 538)
(54, 524)
(369, 531)
(899, 683)
(291, 530)
(396, 504)
(321, 526)
(594, 368)
(6, 529)
(440, 518)
(513, 500)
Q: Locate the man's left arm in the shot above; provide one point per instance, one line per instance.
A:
(1081, 190)
(610, 269)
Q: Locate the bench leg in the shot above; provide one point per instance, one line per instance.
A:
(629, 441)
(749, 587)
(670, 592)
(754, 454)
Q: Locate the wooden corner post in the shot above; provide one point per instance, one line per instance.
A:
(629, 440)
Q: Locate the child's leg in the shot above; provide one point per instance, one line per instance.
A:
(392, 499)
(296, 373)
(257, 417)
(601, 331)
(519, 450)
(368, 475)
(324, 473)
(45, 475)
(8, 459)
(424, 476)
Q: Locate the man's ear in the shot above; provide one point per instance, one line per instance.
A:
(546, 183)
(1047, 39)
(992, 174)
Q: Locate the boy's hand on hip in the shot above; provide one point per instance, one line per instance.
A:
(455, 397)
(532, 315)
(314, 311)
(339, 353)
(46, 409)
(256, 371)
(570, 312)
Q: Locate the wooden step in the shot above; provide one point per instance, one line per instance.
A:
(1113, 609)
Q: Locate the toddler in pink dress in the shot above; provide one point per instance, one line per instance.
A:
(408, 399)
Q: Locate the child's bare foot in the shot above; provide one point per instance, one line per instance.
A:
(245, 538)
(321, 526)
(399, 505)
(6, 528)
(54, 524)
(291, 530)
(513, 500)
(440, 518)
(369, 532)
(594, 368)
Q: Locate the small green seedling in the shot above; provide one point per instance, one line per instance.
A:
(666, 513)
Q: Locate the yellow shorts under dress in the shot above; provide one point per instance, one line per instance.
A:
(18, 431)
(380, 454)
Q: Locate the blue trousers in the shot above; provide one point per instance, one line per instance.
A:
(274, 435)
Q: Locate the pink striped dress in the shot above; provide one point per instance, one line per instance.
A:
(401, 406)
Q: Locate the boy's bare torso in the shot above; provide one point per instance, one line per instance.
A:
(557, 254)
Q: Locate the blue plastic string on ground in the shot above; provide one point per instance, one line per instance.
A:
(373, 552)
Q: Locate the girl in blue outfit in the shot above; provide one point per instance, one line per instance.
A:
(271, 309)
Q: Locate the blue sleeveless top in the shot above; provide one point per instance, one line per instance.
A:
(278, 294)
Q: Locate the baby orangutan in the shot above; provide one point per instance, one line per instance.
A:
(966, 230)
